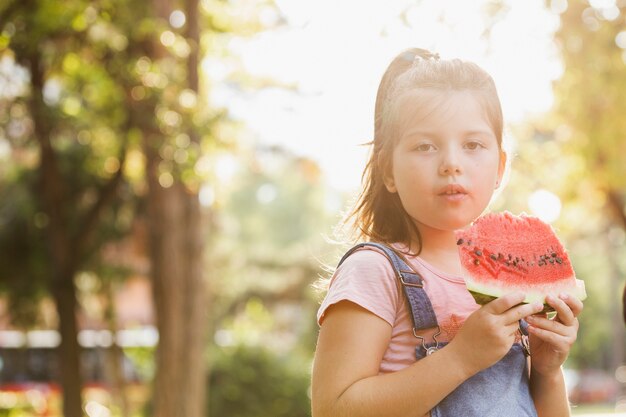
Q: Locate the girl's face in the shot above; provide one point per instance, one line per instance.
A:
(446, 163)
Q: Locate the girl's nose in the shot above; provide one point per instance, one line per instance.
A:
(450, 165)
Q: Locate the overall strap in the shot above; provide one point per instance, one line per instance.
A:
(419, 304)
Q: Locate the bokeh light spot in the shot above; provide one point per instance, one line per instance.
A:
(166, 180)
(545, 205)
(168, 38)
(177, 19)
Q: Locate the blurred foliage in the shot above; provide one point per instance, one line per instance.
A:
(575, 152)
(75, 101)
(253, 381)
(589, 95)
(142, 358)
(268, 252)
(588, 126)
(271, 231)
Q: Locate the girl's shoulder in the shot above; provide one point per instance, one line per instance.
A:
(374, 252)
(366, 260)
(367, 279)
(373, 261)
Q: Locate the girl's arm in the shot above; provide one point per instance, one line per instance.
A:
(351, 345)
(550, 344)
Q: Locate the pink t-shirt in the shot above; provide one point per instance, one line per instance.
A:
(367, 279)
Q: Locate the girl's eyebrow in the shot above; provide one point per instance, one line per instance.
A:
(435, 133)
(480, 132)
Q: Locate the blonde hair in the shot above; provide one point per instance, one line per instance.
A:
(378, 215)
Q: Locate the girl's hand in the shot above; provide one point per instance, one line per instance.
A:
(489, 332)
(551, 339)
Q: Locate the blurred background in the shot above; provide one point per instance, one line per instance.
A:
(171, 173)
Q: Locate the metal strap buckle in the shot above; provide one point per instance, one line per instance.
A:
(524, 342)
(410, 284)
(432, 349)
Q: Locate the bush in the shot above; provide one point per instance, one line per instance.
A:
(255, 382)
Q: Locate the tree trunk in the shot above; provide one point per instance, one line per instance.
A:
(179, 294)
(60, 254)
(197, 331)
(176, 251)
(196, 309)
(69, 350)
(164, 213)
(114, 354)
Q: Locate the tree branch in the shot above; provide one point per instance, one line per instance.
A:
(291, 292)
(88, 226)
(616, 204)
(50, 177)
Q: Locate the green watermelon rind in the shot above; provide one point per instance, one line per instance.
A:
(485, 294)
(483, 299)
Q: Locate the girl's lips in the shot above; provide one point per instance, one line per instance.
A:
(453, 193)
(452, 189)
(454, 197)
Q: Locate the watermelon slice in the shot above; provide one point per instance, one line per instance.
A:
(502, 253)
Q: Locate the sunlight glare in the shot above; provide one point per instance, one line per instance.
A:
(334, 62)
(226, 167)
(545, 205)
(602, 4)
(206, 196)
(94, 409)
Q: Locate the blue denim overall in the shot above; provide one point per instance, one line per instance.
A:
(500, 390)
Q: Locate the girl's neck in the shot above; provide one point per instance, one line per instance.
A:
(440, 250)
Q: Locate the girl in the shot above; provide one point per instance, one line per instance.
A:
(437, 158)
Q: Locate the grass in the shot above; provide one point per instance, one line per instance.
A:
(608, 409)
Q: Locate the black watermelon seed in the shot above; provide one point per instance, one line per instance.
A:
(559, 260)
(554, 254)
(478, 252)
(500, 256)
(510, 256)
(459, 242)
(476, 262)
(494, 257)
(551, 261)
(541, 263)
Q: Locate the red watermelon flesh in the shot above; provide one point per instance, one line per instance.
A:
(502, 253)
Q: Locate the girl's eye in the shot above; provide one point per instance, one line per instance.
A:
(473, 145)
(425, 147)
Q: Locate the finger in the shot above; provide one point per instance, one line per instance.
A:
(559, 342)
(553, 326)
(515, 314)
(512, 329)
(574, 303)
(564, 313)
(504, 303)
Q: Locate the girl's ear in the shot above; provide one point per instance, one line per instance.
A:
(385, 167)
(501, 168)
(390, 184)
